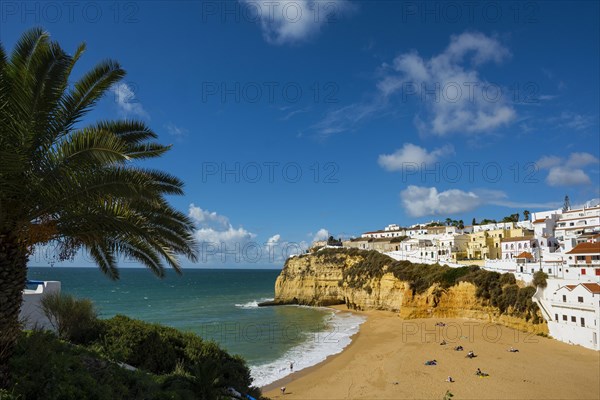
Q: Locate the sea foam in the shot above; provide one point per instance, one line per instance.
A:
(252, 304)
(315, 349)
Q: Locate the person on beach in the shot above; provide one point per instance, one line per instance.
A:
(513, 350)
(443, 343)
(458, 348)
(470, 354)
(431, 362)
(450, 379)
(291, 366)
(282, 390)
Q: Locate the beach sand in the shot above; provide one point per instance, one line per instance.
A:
(386, 361)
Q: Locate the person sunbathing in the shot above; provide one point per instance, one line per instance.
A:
(482, 374)
(443, 343)
(431, 362)
(513, 350)
(470, 354)
(450, 379)
(458, 348)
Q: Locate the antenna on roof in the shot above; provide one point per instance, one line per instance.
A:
(567, 205)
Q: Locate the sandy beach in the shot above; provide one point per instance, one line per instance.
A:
(386, 361)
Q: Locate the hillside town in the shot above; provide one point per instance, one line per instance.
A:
(563, 243)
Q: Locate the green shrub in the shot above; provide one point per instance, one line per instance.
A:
(540, 279)
(73, 319)
(45, 367)
(163, 350)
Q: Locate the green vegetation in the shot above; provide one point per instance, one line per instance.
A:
(494, 289)
(75, 186)
(511, 218)
(72, 319)
(168, 364)
(539, 279)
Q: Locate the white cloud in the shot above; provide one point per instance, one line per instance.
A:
(273, 240)
(294, 21)
(413, 155)
(127, 102)
(548, 162)
(348, 117)
(567, 172)
(575, 121)
(565, 176)
(449, 85)
(322, 234)
(581, 159)
(420, 201)
(175, 130)
(216, 230)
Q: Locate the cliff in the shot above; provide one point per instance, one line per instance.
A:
(366, 281)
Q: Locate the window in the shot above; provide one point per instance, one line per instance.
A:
(582, 271)
(597, 271)
(580, 299)
(582, 321)
(526, 245)
(564, 298)
(573, 318)
(564, 317)
(556, 317)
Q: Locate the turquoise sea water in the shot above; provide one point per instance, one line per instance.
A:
(218, 304)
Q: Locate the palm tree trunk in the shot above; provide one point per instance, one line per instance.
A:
(13, 274)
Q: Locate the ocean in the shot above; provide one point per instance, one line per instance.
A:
(221, 305)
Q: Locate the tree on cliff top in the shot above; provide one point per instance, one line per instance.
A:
(75, 186)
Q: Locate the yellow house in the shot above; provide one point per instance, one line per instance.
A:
(487, 244)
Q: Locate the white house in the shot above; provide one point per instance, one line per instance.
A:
(390, 231)
(574, 314)
(31, 312)
(513, 246)
(583, 262)
(574, 223)
(493, 226)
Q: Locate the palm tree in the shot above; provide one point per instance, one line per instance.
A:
(75, 186)
(526, 214)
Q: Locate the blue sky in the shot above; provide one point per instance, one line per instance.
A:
(290, 119)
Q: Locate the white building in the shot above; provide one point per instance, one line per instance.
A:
(575, 223)
(513, 246)
(583, 262)
(31, 311)
(493, 226)
(573, 313)
(390, 231)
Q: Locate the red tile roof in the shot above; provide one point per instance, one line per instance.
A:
(525, 254)
(592, 287)
(517, 239)
(586, 248)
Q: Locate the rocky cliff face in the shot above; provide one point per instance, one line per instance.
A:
(319, 280)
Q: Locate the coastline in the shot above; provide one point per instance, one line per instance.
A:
(274, 386)
(386, 357)
(318, 346)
